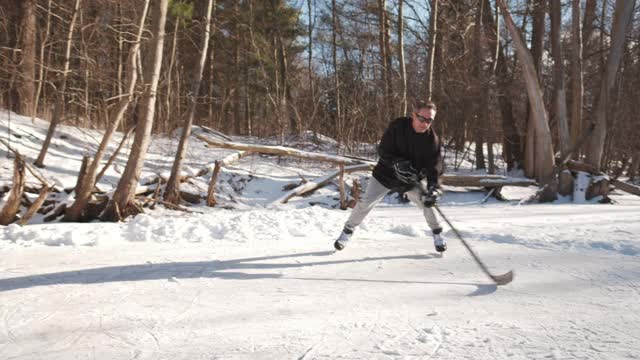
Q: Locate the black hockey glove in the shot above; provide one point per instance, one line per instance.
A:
(430, 197)
(405, 172)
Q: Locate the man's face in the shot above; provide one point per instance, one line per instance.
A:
(422, 119)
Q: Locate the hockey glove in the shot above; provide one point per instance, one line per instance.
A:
(405, 172)
(430, 197)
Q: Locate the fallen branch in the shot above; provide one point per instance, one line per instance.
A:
(484, 180)
(624, 186)
(310, 186)
(281, 150)
(35, 206)
(168, 205)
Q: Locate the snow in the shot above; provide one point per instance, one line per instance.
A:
(258, 281)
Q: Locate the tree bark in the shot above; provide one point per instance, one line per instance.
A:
(124, 196)
(537, 49)
(403, 68)
(336, 74)
(433, 31)
(172, 191)
(60, 96)
(544, 152)
(26, 84)
(577, 87)
(12, 205)
(560, 98)
(42, 71)
(621, 19)
(511, 138)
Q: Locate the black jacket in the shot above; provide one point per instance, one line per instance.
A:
(401, 142)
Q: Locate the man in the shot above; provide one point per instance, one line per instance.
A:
(409, 152)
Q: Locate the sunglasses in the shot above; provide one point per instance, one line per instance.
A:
(423, 119)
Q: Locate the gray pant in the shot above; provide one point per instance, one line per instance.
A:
(376, 192)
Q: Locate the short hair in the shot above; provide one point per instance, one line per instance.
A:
(426, 105)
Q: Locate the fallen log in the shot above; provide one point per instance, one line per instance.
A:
(211, 191)
(626, 187)
(281, 150)
(310, 186)
(484, 181)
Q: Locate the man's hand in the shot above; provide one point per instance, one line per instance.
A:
(405, 172)
(430, 197)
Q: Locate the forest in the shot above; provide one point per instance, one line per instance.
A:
(548, 86)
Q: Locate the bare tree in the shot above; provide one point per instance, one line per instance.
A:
(122, 204)
(403, 68)
(544, 152)
(86, 183)
(60, 92)
(172, 191)
(26, 85)
(433, 31)
(621, 19)
(560, 98)
(577, 87)
(336, 74)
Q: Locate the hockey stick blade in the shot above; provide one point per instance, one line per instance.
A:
(503, 279)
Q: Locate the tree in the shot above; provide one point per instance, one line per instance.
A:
(123, 202)
(544, 151)
(621, 18)
(26, 85)
(577, 87)
(403, 68)
(560, 98)
(87, 181)
(60, 92)
(172, 191)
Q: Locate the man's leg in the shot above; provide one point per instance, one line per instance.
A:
(372, 195)
(430, 215)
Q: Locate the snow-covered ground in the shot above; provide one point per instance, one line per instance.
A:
(258, 281)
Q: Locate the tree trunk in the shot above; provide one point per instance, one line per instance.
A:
(42, 71)
(336, 74)
(26, 84)
(236, 69)
(170, 79)
(403, 69)
(545, 152)
(537, 50)
(60, 96)
(172, 191)
(632, 171)
(621, 18)
(83, 191)
(382, 39)
(577, 87)
(12, 205)
(589, 22)
(560, 98)
(511, 138)
(433, 31)
(122, 204)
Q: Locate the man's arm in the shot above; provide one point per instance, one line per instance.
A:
(436, 166)
(387, 147)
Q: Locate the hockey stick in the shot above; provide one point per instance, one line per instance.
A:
(502, 279)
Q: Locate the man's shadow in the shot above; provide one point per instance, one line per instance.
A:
(227, 269)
